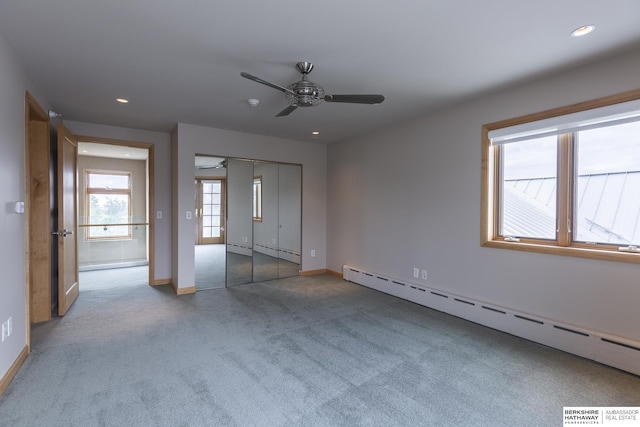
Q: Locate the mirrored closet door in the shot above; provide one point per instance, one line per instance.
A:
(239, 222)
(264, 207)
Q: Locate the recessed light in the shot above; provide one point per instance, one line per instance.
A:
(127, 155)
(122, 100)
(315, 132)
(583, 31)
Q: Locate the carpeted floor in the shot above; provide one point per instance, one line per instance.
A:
(129, 277)
(210, 266)
(303, 351)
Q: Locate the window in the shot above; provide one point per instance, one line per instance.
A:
(257, 198)
(108, 204)
(565, 181)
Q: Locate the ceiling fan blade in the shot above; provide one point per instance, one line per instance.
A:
(286, 111)
(264, 82)
(355, 99)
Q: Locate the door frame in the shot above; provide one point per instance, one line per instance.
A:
(37, 221)
(223, 209)
(150, 192)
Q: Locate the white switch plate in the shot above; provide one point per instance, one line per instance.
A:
(416, 273)
(10, 326)
(159, 214)
(313, 253)
(424, 274)
(188, 215)
(4, 331)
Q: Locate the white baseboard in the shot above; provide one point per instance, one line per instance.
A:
(619, 352)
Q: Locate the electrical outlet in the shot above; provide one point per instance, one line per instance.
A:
(10, 326)
(159, 214)
(416, 272)
(424, 274)
(313, 253)
(188, 214)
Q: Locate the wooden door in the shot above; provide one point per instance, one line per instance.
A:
(210, 210)
(67, 233)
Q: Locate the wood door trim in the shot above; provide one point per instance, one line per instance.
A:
(35, 115)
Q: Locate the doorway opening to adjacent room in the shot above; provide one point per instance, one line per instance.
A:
(114, 249)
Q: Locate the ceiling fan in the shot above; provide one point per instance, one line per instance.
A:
(305, 93)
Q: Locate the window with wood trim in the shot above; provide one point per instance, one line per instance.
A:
(107, 205)
(565, 181)
(257, 198)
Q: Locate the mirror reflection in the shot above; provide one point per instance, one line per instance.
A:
(248, 221)
(289, 219)
(210, 214)
(265, 221)
(239, 222)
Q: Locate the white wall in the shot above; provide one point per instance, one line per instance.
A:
(162, 177)
(190, 139)
(410, 197)
(13, 84)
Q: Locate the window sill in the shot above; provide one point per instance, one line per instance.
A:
(607, 255)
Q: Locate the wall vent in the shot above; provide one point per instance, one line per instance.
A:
(494, 309)
(528, 319)
(608, 349)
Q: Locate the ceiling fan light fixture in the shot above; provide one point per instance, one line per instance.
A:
(304, 93)
(253, 102)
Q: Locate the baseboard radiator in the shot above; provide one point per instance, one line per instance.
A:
(621, 353)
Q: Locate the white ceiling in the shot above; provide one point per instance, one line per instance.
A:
(92, 149)
(181, 61)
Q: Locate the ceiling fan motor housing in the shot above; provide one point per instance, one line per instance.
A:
(305, 93)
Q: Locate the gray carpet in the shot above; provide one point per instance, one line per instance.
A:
(303, 351)
(129, 277)
(210, 267)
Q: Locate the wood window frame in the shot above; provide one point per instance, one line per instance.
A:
(490, 186)
(87, 204)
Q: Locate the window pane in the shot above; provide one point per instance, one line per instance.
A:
(528, 202)
(608, 185)
(108, 208)
(109, 231)
(257, 197)
(108, 181)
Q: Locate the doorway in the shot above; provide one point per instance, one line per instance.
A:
(210, 211)
(114, 230)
